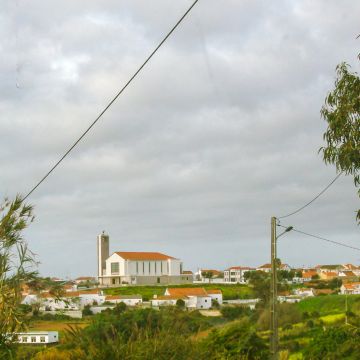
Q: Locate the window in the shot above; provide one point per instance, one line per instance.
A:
(205, 300)
(42, 339)
(155, 267)
(161, 267)
(113, 281)
(167, 267)
(143, 268)
(158, 280)
(115, 268)
(33, 339)
(24, 339)
(149, 267)
(137, 267)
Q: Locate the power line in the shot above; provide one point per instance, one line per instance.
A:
(112, 101)
(322, 238)
(311, 201)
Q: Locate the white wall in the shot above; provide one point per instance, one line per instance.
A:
(174, 267)
(128, 302)
(217, 297)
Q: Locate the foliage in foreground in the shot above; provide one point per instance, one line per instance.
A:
(149, 334)
(16, 264)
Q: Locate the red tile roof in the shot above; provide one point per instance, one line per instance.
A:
(84, 278)
(91, 291)
(122, 297)
(309, 274)
(213, 271)
(348, 273)
(187, 291)
(265, 266)
(330, 274)
(129, 255)
(240, 268)
(350, 267)
(214, 291)
(169, 297)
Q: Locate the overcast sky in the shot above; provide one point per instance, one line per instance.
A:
(220, 131)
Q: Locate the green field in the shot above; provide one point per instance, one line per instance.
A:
(230, 292)
(330, 304)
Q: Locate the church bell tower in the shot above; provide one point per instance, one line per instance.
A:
(102, 253)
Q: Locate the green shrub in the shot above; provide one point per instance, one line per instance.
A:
(180, 303)
(234, 312)
(310, 323)
(86, 311)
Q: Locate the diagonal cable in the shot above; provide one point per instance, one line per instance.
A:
(322, 238)
(311, 201)
(111, 102)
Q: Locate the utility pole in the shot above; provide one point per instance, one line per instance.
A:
(346, 309)
(273, 294)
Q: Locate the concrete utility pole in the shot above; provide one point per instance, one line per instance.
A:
(273, 294)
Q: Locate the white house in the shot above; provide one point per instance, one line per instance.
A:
(304, 292)
(215, 294)
(85, 279)
(91, 297)
(38, 337)
(71, 300)
(129, 300)
(235, 274)
(267, 267)
(166, 300)
(194, 298)
(350, 288)
(137, 268)
(209, 275)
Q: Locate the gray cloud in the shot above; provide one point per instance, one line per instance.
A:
(217, 134)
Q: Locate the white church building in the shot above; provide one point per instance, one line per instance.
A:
(137, 268)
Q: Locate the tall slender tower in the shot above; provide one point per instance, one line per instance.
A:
(102, 253)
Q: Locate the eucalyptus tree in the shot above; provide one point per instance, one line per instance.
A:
(342, 113)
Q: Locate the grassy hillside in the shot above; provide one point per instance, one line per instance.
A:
(330, 304)
(229, 291)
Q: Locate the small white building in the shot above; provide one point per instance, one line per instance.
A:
(194, 298)
(235, 274)
(85, 279)
(91, 297)
(304, 292)
(129, 300)
(215, 294)
(38, 337)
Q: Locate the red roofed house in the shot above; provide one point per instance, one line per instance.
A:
(140, 268)
(85, 279)
(267, 267)
(350, 288)
(308, 275)
(328, 275)
(194, 298)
